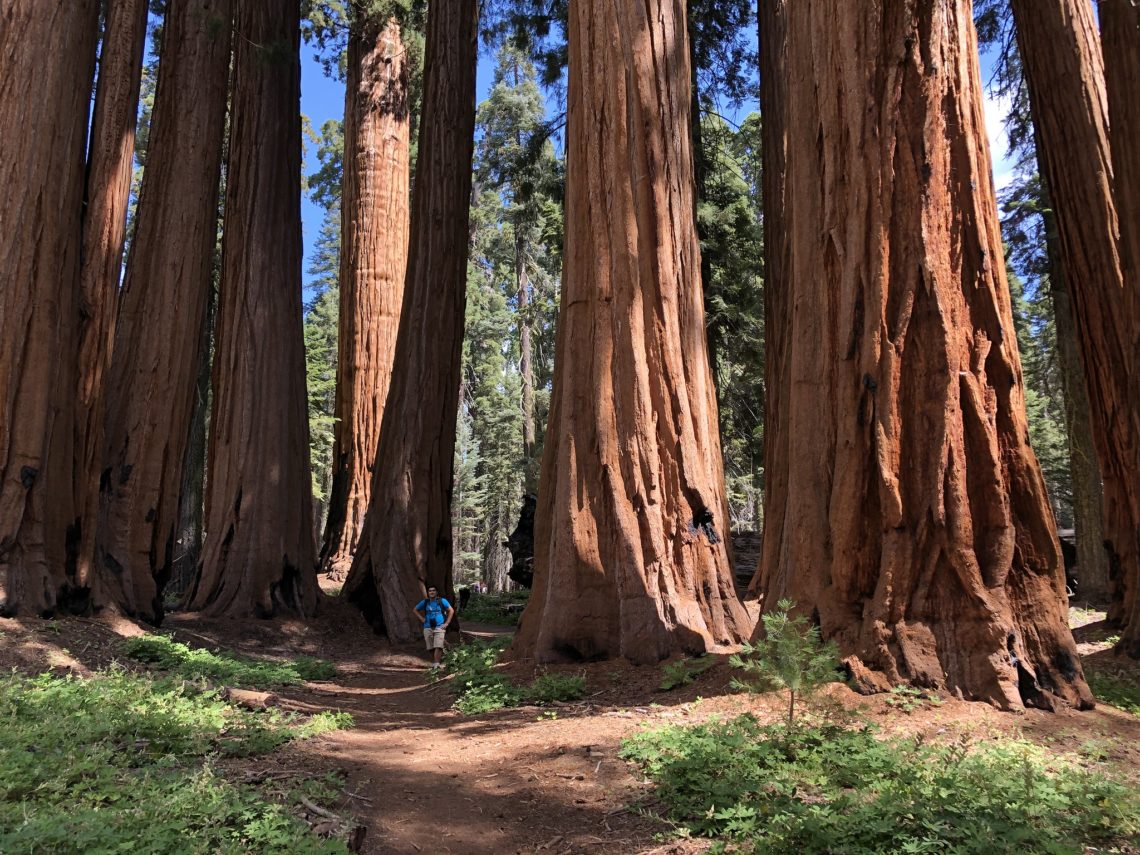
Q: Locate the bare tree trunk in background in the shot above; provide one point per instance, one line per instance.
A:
(526, 368)
(47, 56)
(373, 260)
(630, 552)
(1084, 469)
(109, 170)
(260, 558)
(192, 494)
(773, 23)
(1064, 72)
(406, 539)
(158, 337)
(1120, 34)
(913, 520)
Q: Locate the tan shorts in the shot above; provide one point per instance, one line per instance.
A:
(434, 637)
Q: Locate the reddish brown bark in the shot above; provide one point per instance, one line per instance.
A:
(260, 558)
(630, 557)
(47, 57)
(773, 23)
(1120, 33)
(406, 538)
(914, 521)
(373, 259)
(1064, 72)
(109, 169)
(158, 337)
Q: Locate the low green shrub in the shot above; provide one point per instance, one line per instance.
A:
(552, 688)
(480, 688)
(683, 672)
(121, 762)
(833, 790)
(222, 666)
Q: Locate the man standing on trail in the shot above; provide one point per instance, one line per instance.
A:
(436, 613)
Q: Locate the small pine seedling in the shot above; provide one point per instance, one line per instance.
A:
(791, 657)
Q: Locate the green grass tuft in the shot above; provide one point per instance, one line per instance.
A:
(1116, 690)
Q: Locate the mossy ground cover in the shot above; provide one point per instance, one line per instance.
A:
(128, 762)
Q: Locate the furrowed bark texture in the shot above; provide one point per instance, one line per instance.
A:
(1084, 467)
(47, 55)
(1120, 34)
(260, 558)
(915, 524)
(109, 168)
(630, 552)
(374, 257)
(1064, 71)
(158, 337)
(406, 538)
(189, 528)
(773, 23)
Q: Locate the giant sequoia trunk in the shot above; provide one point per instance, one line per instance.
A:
(773, 22)
(1120, 32)
(158, 337)
(259, 558)
(406, 539)
(47, 55)
(109, 169)
(1064, 71)
(913, 520)
(630, 551)
(373, 260)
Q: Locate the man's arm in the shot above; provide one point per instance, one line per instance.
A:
(450, 615)
(422, 617)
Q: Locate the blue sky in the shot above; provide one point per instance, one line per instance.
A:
(323, 98)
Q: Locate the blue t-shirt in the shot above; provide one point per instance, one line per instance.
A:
(435, 611)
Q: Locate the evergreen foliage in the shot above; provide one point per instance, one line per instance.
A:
(790, 657)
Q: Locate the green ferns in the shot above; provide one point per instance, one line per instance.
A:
(831, 790)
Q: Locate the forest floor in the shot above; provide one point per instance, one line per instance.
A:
(422, 777)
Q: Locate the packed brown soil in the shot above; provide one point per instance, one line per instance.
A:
(422, 777)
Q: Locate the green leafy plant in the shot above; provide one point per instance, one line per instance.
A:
(125, 762)
(553, 688)
(791, 657)
(480, 688)
(222, 666)
(683, 672)
(832, 789)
